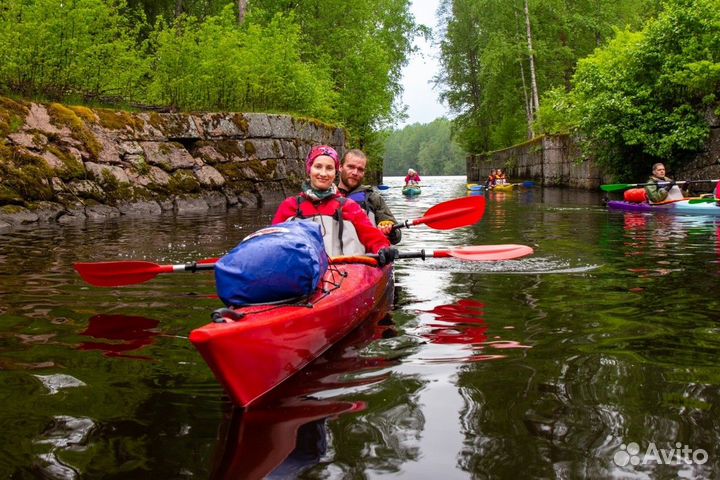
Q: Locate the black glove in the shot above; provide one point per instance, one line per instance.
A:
(387, 255)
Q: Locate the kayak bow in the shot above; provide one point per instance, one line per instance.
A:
(253, 349)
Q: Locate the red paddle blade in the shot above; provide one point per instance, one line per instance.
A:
(486, 253)
(460, 212)
(114, 274)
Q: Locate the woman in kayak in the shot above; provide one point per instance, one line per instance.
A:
(346, 228)
(412, 178)
(660, 188)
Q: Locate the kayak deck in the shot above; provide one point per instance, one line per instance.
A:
(254, 354)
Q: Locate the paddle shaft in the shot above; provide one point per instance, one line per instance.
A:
(115, 274)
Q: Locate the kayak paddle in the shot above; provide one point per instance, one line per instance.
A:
(473, 253)
(616, 187)
(456, 213)
(116, 274)
(703, 200)
(387, 187)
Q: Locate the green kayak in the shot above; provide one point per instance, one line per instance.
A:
(411, 190)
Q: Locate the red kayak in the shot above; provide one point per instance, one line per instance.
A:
(252, 349)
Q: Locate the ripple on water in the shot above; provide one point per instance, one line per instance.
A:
(533, 265)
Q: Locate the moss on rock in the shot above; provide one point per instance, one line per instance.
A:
(229, 148)
(119, 120)
(62, 115)
(12, 114)
(84, 113)
(183, 182)
(249, 148)
(264, 170)
(241, 122)
(72, 167)
(231, 171)
(24, 173)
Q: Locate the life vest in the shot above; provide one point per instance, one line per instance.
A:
(339, 235)
(361, 198)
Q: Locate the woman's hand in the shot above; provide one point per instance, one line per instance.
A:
(387, 255)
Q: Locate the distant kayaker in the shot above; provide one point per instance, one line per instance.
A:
(347, 230)
(500, 178)
(412, 177)
(660, 188)
(352, 174)
(490, 182)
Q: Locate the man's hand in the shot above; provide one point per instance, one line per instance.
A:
(385, 227)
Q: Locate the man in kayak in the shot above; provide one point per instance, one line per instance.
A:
(352, 174)
(346, 229)
(660, 188)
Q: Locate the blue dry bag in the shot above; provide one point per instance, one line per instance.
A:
(277, 263)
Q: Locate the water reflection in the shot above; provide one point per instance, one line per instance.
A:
(287, 432)
(458, 332)
(126, 333)
(620, 310)
(66, 435)
(278, 442)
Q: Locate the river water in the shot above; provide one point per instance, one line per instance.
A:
(595, 357)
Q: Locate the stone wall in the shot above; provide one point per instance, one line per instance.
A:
(554, 161)
(549, 160)
(64, 164)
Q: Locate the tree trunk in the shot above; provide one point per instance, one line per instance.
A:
(242, 9)
(526, 97)
(533, 80)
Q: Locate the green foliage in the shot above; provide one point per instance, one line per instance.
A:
(363, 45)
(218, 65)
(56, 49)
(644, 97)
(429, 149)
(556, 115)
(485, 58)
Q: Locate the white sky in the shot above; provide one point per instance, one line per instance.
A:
(419, 96)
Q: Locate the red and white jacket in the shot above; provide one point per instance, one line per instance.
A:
(346, 228)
